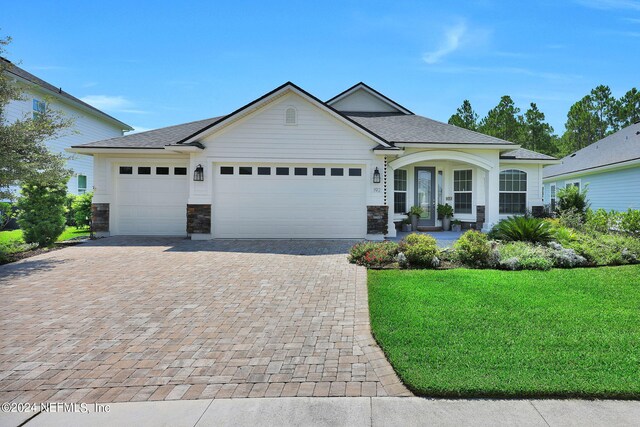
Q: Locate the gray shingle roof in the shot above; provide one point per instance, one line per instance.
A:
(524, 154)
(157, 138)
(411, 128)
(619, 147)
(23, 74)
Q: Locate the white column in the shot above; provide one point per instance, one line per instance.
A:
(391, 227)
(492, 197)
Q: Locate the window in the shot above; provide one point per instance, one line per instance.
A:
(162, 170)
(572, 184)
(245, 170)
(264, 171)
(300, 171)
(319, 171)
(552, 195)
(399, 191)
(355, 172)
(39, 108)
(290, 116)
(462, 191)
(439, 184)
(282, 171)
(337, 171)
(126, 170)
(513, 192)
(82, 184)
(144, 170)
(226, 170)
(179, 171)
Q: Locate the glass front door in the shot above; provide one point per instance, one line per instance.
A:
(425, 195)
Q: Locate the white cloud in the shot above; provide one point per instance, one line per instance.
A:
(118, 104)
(610, 4)
(453, 38)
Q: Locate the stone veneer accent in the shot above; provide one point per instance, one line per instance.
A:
(377, 219)
(198, 219)
(480, 216)
(100, 217)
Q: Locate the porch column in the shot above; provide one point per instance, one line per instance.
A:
(390, 188)
(492, 197)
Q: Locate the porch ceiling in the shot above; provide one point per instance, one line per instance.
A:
(442, 155)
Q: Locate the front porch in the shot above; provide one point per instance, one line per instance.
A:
(466, 180)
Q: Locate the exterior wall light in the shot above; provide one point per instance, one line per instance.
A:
(376, 176)
(198, 174)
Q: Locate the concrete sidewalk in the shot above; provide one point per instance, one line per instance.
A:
(344, 411)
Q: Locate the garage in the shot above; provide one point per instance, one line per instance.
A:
(151, 199)
(289, 201)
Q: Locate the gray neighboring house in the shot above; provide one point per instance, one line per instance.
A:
(609, 168)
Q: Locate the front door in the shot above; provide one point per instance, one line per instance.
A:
(425, 195)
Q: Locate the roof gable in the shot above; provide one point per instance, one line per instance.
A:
(268, 98)
(363, 98)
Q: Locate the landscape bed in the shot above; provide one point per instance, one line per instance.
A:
(490, 333)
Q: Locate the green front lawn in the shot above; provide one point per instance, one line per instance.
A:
(14, 237)
(472, 333)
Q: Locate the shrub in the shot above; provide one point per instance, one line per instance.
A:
(524, 256)
(571, 198)
(630, 222)
(571, 218)
(70, 213)
(607, 249)
(522, 229)
(565, 258)
(601, 220)
(373, 254)
(41, 216)
(420, 251)
(474, 249)
(8, 212)
(82, 209)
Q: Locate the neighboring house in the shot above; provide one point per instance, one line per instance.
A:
(289, 165)
(609, 168)
(90, 124)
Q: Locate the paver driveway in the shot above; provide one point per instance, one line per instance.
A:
(124, 319)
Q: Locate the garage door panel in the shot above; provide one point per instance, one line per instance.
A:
(289, 206)
(151, 204)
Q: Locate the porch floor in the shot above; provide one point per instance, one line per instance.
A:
(445, 239)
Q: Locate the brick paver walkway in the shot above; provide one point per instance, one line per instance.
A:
(124, 319)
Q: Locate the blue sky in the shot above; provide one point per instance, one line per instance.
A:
(154, 64)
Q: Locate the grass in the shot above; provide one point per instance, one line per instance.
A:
(14, 237)
(489, 333)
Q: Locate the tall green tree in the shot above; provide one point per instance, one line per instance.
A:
(538, 134)
(603, 106)
(583, 127)
(465, 117)
(502, 121)
(627, 109)
(24, 156)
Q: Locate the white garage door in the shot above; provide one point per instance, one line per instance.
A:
(289, 201)
(151, 200)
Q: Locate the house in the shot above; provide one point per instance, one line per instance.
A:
(289, 165)
(90, 124)
(609, 168)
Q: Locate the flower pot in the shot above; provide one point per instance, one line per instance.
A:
(414, 222)
(456, 227)
(406, 228)
(446, 223)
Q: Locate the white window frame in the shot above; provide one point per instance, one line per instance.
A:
(80, 189)
(525, 191)
(573, 182)
(455, 211)
(286, 116)
(38, 107)
(405, 191)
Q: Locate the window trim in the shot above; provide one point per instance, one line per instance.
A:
(453, 181)
(82, 190)
(405, 191)
(286, 115)
(525, 191)
(574, 182)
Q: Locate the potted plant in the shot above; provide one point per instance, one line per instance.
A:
(445, 212)
(456, 225)
(406, 225)
(414, 213)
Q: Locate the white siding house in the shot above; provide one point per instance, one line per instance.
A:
(89, 124)
(288, 165)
